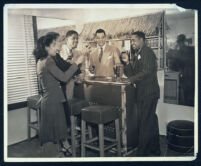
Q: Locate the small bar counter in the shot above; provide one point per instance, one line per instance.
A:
(117, 92)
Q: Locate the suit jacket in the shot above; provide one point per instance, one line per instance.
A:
(70, 85)
(110, 57)
(63, 65)
(142, 71)
(50, 76)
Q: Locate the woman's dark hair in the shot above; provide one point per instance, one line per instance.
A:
(53, 35)
(43, 42)
(40, 52)
(50, 37)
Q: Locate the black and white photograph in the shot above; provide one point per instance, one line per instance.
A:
(100, 82)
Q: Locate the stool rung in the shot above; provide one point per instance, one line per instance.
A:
(34, 122)
(91, 147)
(113, 150)
(109, 139)
(91, 140)
(98, 149)
(87, 132)
(78, 145)
(34, 125)
(77, 136)
(78, 128)
(110, 146)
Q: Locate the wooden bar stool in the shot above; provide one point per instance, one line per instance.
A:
(33, 103)
(75, 106)
(100, 115)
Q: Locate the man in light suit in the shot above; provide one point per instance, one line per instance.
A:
(104, 58)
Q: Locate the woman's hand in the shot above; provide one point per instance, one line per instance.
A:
(92, 69)
(87, 50)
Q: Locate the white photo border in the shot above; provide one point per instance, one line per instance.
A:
(95, 159)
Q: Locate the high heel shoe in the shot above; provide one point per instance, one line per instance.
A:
(66, 145)
(66, 150)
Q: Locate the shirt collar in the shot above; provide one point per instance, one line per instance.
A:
(139, 51)
(99, 48)
(68, 51)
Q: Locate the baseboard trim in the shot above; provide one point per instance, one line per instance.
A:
(23, 141)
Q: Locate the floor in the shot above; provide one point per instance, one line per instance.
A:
(32, 149)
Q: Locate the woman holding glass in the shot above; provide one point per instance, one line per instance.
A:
(53, 126)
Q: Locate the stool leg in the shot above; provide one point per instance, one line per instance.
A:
(38, 123)
(118, 137)
(28, 124)
(72, 119)
(83, 150)
(101, 139)
(90, 131)
(76, 132)
(39, 127)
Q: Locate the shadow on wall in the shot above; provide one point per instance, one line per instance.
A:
(168, 112)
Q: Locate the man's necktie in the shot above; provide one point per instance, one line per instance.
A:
(100, 54)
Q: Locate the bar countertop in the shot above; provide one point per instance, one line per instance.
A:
(104, 80)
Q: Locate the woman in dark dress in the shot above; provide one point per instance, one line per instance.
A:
(53, 122)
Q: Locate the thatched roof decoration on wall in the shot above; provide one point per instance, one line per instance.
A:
(122, 28)
(61, 30)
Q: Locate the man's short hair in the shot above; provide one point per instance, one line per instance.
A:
(100, 31)
(70, 33)
(139, 34)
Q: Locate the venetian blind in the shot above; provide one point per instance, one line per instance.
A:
(21, 65)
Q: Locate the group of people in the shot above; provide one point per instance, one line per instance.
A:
(56, 72)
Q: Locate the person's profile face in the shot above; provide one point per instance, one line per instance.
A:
(136, 42)
(59, 43)
(100, 39)
(52, 49)
(72, 41)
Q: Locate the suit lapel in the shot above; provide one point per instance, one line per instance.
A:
(106, 48)
(96, 56)
(134, 59)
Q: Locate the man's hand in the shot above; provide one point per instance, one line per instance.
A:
(124, 58)
(92, 69)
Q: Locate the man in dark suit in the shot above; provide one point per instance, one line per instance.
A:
(142, 72)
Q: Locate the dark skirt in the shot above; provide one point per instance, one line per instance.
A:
(53, 121)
